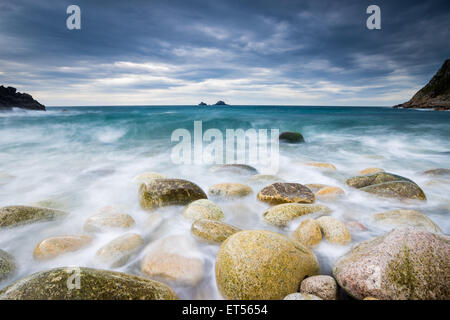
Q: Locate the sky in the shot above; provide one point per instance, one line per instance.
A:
(181, 52)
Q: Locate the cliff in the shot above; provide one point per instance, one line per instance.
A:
(10, 98)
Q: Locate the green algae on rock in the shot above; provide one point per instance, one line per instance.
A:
(260, 264)
(12, 216)
(95, 284)
(407, 218)
(212, 230)
(7, 265)
(166, 192)
(203, 209)
(291, 137)
(277, 193)
(280, 215)
(404, 264)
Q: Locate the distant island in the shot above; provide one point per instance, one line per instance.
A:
(10, 98)
(435, 95)
(218, 103)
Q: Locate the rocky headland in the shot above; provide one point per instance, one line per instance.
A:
(10, 98)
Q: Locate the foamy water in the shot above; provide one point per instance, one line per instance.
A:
(86, 158)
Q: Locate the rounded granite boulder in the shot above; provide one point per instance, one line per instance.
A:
(108, 218)
(230, 190)
(329, 193)
(438, 172)
(280, 215)
(7, 265)
(322, 286)
(117, 252)
(277, 193)
(212, 230)
(291, 137)
(308, 233)
(334, 230)
(259, 264)
(404, 264)
(203, 209)
(165, 192)
(301, 296)
(369, 171)
(12, 216)
(406, 218)
(147, 177)
(94, 284)
(53, 247)
(235, 168)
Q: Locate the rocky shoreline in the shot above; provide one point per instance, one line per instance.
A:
(10, 98)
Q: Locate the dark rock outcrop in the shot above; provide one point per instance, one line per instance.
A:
(220, 103)
(202, 104)
(10, 98)
(435, 95)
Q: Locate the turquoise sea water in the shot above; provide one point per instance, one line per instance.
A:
(85, 158)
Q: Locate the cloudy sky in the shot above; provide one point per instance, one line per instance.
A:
(282, 52)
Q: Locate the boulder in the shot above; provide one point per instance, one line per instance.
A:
(264, 178)
(370, 171)
(53, 247)
(230, 190)
(280, 215)
(291, 137)
(147, 177)
(260, 264)
(203, 209)
(406, 218)
(322, 165)
(329, 193)
(301, 296)
(374, 179)
(108, 218)
(7, 265)
(308, 233)
(322, 286)
(95, 284)
(235, 168)
(19, 215)
(334, 230)
(277, 193)
(174, 259)
(403, 264)
(117, 252)
(212, 230)
(165, 192)
(438, 172)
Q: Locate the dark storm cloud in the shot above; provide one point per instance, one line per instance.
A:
(286, 52)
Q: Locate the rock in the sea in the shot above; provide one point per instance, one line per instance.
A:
(147, 177)
(220, 103)
(308, 233)
(435, 95)
(301, 296)
(264, 178)
(291, 137)
(53, 247)
(388, 185)
(322, 286)
(203, 209)
(277, 193)
(316, 186)
(117, 252)
(213, 230)
(94, 284)
(329, 193)
(165, 192)
(174, 259)
(369, 171)
(108, 218)
(322, 165)
(438, 172)
(259, 264)
(406, 218)
(18, 215)
(280, 215)
(10, 98)
(7, 265)
(236, 168)
(403, 264)
(230, 190)
(334, 230)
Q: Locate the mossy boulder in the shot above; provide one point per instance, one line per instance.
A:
(165, 192)
(212, 230)
(280, 215)
(7, 265)
(95, 284)
(53, 247)
(406, 218)
(117, 252)
(404, 264)
(322, 286)
(259, 264)
(334, 230)
(277, 193)
(230, 190)
(12, 216)
(235, 168)
(291, 137)
(388, 185)
(203, 209)
(308, 233)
